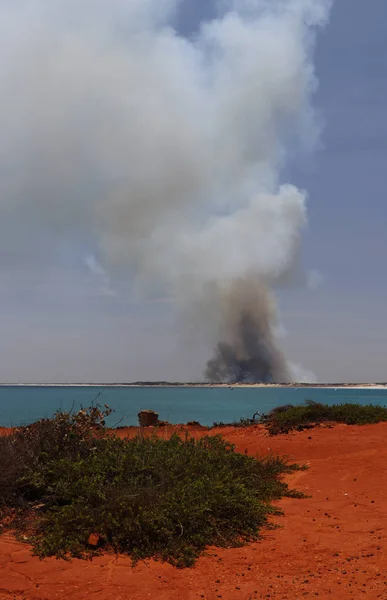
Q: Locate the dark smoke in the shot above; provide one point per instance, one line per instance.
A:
(250, 354)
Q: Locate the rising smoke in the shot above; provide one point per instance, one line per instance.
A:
(164, 152)
(247, 352)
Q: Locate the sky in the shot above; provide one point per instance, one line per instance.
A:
(67, 320)
(340, 329)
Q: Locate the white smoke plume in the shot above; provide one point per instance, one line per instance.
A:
(165, 151)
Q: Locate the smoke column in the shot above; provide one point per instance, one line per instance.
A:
(247, 352)
(164, 152)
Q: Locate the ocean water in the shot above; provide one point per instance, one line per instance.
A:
(21, 405)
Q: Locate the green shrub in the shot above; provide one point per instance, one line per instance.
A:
(66, 434)
(148, 497)
(286, 418)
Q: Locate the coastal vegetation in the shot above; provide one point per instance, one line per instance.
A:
(71, 488)
(284, 419)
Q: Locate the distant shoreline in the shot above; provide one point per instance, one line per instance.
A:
(167, 384)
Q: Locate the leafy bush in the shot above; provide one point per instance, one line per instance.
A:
(286, 418)
(68, 477)
(47, 440)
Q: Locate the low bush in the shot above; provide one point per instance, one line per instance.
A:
(65, 435)
(286, 418)
(66, 478)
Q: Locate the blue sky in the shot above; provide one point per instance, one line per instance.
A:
(342, 325)
(63, 320)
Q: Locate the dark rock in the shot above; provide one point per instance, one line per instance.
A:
(148, 418)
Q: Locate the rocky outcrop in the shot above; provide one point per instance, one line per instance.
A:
(148, 418)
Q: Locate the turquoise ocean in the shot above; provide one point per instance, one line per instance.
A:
(21, 405)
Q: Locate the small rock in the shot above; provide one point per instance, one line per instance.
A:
(147, 418)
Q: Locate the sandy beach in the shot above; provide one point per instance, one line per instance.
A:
(349, 386)
(331, 545)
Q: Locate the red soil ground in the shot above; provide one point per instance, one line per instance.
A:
(331, 545)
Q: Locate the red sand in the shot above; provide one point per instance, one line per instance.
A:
(332, 545)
